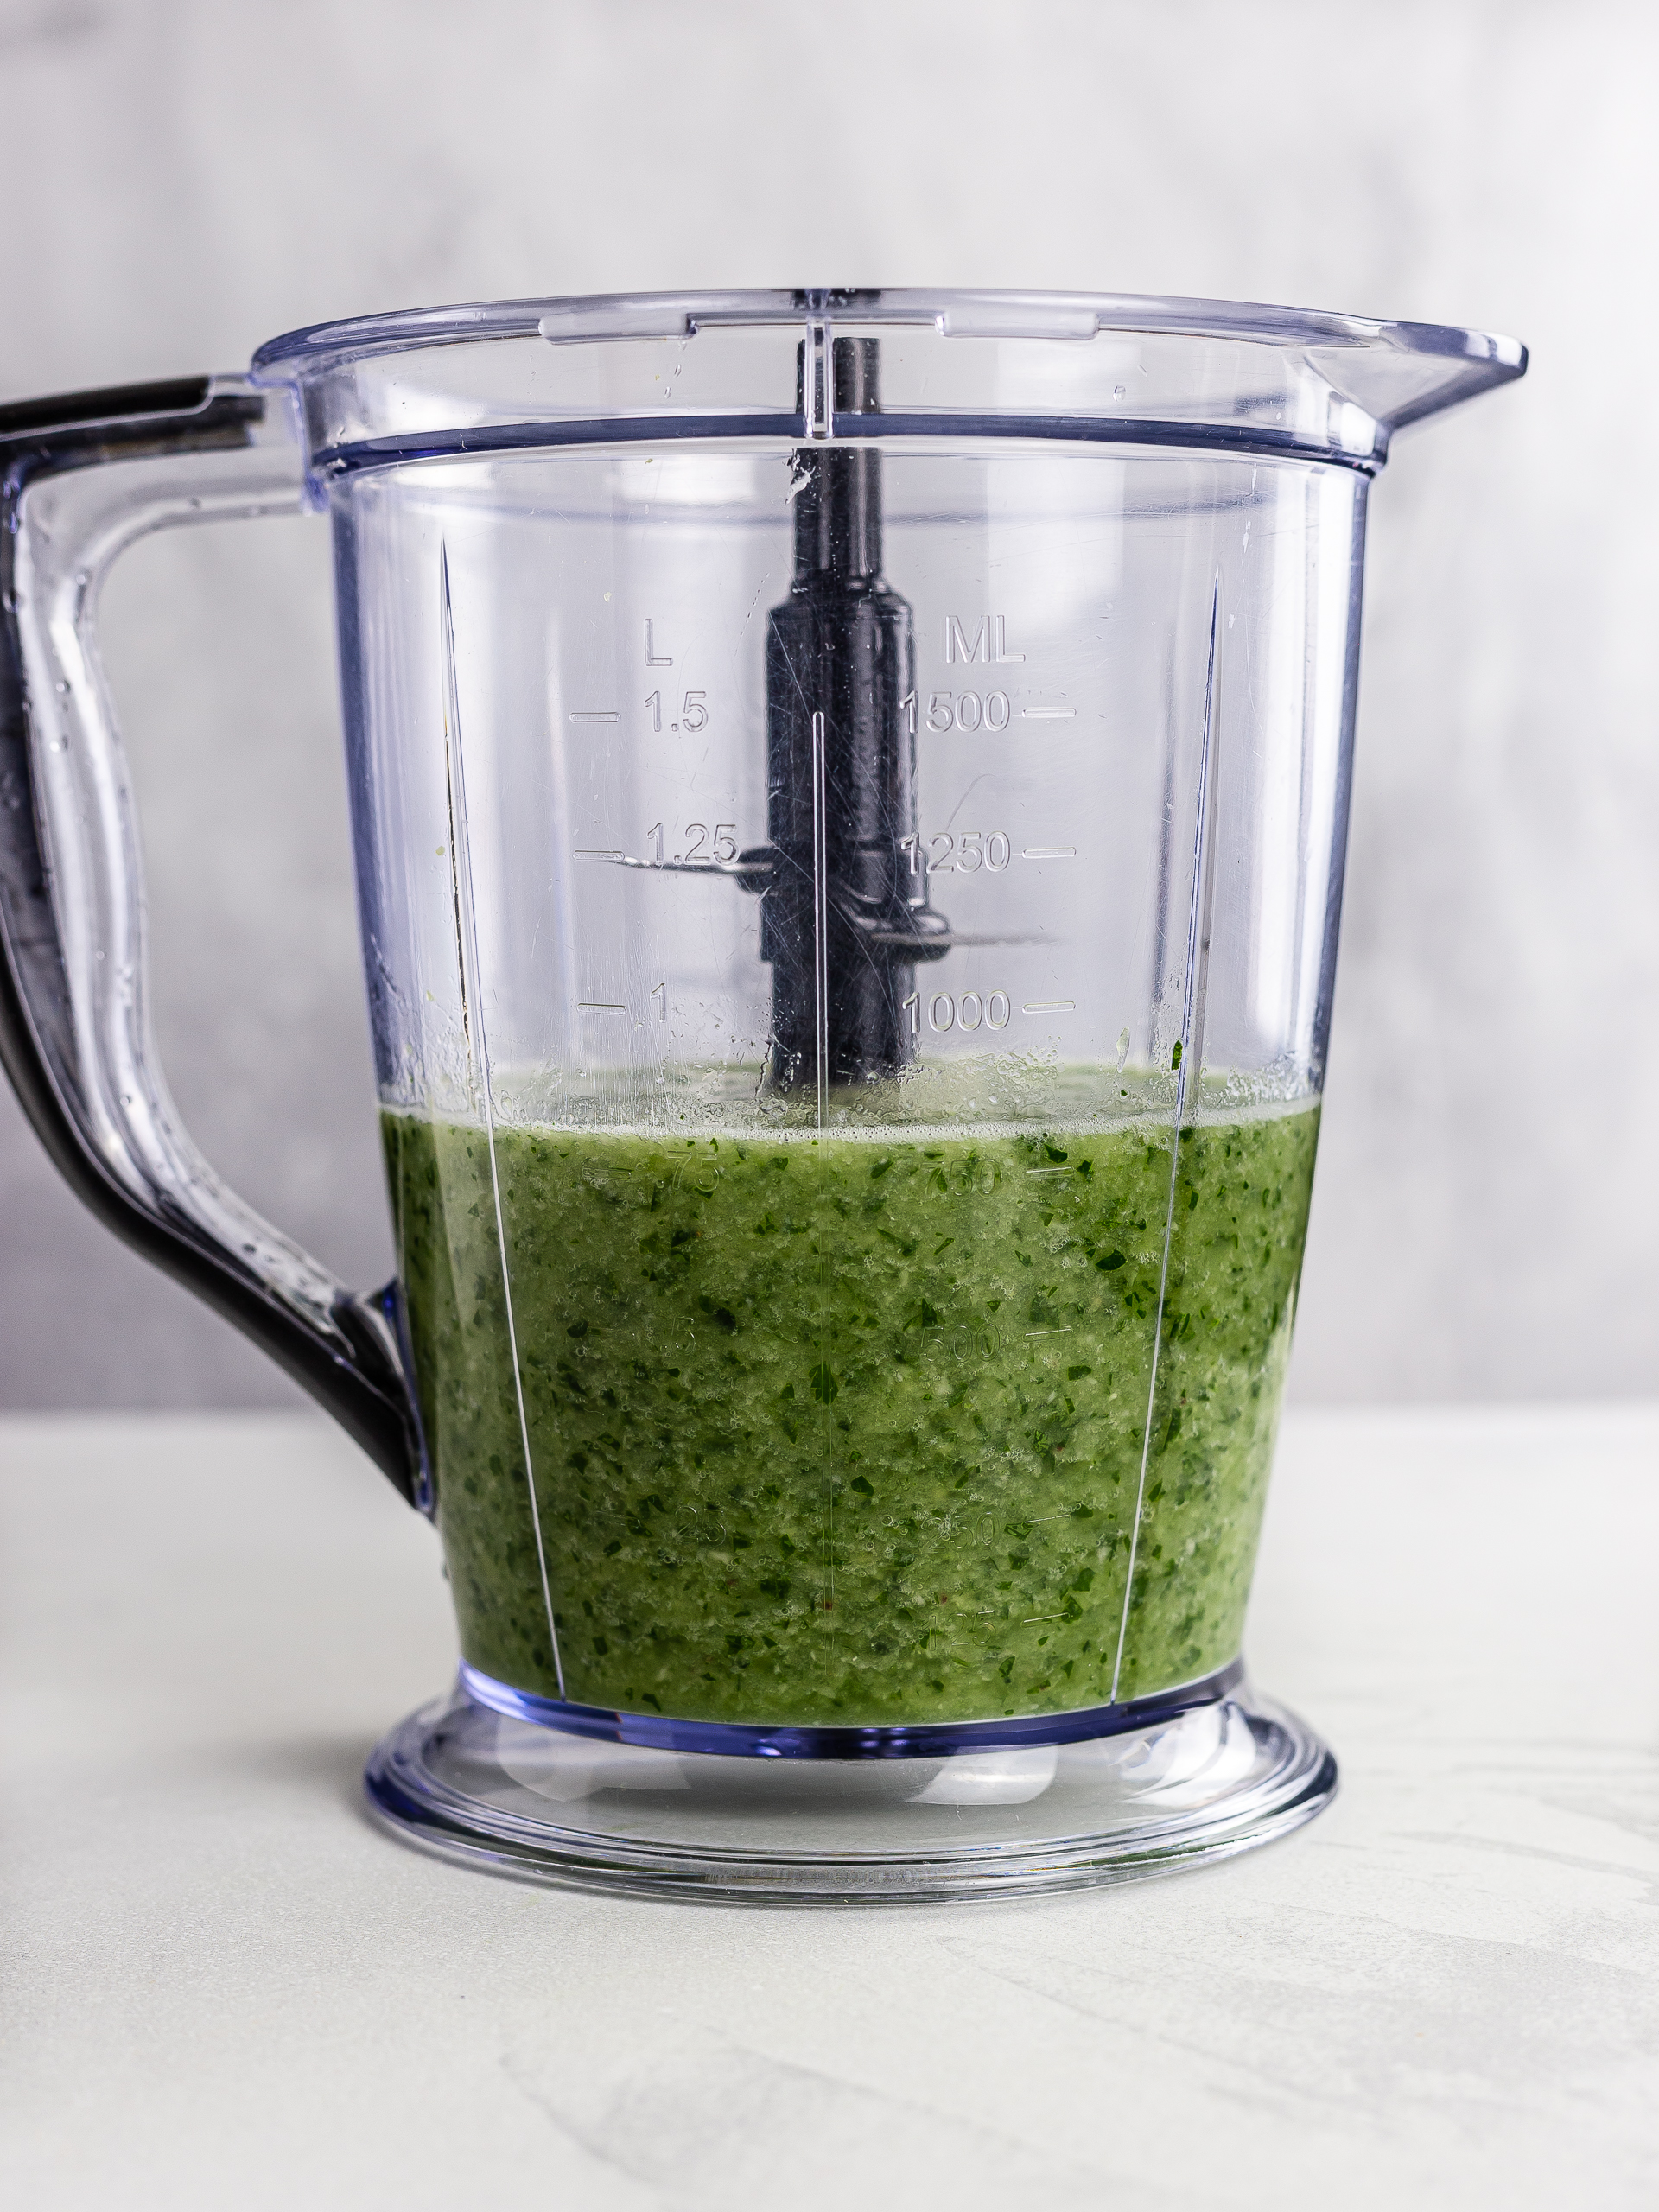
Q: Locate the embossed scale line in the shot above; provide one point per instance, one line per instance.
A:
(1197, 960)
(466, 915)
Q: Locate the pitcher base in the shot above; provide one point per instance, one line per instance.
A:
(543, 1804)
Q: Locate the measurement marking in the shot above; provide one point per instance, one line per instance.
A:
(1032, 1619)
(821, 908)
(600, 1006)
(1050, 1332)
(478, 1042)
(1049, 1006)
(1048, 852)
(593, 853)
(596, 715)
(1048, 1171)
(1048, 713)
(1198, 970)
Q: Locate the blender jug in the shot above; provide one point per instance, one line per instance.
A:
(849, 795)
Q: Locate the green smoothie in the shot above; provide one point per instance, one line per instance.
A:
(851, 1429)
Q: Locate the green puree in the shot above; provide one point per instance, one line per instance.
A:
(840, 1431)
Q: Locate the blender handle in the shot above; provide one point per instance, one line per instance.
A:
(81, 478)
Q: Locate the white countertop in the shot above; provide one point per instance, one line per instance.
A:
(223, 1988)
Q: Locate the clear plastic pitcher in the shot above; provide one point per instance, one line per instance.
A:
(849, 795)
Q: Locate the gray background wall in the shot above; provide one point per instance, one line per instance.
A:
(185, 179)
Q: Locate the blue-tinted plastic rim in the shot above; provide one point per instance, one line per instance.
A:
(1472, 362)
(924, 1740)
(1228, 439)
(1066, 317)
